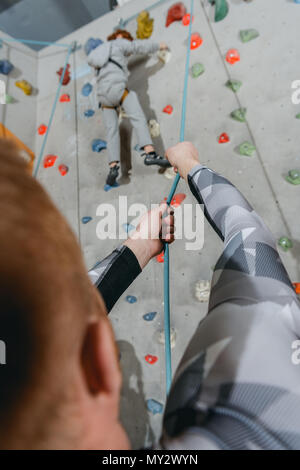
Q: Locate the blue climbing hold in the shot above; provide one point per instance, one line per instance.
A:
(89, 113)
(137, 148)
(128, 227)
(98, 145)
(131, 299)
(6, 67)
(86, 220)
(107, 187)
(91, 44)
(149, 316)
(154, 406)
(87, 89)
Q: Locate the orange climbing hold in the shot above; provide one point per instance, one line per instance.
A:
(186, 19)
(42, 129)
(65, 98)
(161, 257)
(63, 169)
(151, 359)
(177, 200)
(233, 56)
(49, 161)
(168, 109)
(196, 41)
(224, 138)
(297, 287)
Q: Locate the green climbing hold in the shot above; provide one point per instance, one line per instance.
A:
(239, 114)
(247, 149)
(234, 85)
(248, 34)
(293, 177)
(8, 99)
(298, 116)
(221, 9)
(197, 70)
(285, 243)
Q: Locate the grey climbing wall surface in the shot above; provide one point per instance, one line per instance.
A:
(268, 65)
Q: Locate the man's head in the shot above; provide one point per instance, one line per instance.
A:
(61, 382)
(120, 34)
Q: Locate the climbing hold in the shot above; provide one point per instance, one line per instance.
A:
(221, 10)
(49, 161)
(239, 114)
(285, 243)
(247, 149)
(170, 173)
(164, 55)
(196, 41)
(98, 145)
(293, 177)
(175, 13)
(65, 98)
(224, 138)
(9, 99)
(6, 67)
(177, 200)
(86, 220)
(234, 85)
(89, 113)
(149, 316)
(154, 406)
(144, 25)
(107, 187)
(63, 169)
(42, 129)
(154, 128)
(168, 109)
(186, 19)
(128, 228)
(197, 70)
(161, 257)
(151, 359)
(160, 337)
(233, 56)
(24, 86)
(202, 291)
(91, 44)
(248, 34)
(87, 89)
(298, 116)
(67, 75)
(297, 287)
(131, 299)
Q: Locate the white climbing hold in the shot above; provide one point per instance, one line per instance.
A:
(170, 173)
(164, 55)
(154, 128)
(202, 291)
(160, 337)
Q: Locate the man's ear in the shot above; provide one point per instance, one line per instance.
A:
(99, 359)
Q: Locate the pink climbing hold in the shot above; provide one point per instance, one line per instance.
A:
(224, 138)
(196, 41)
(49, 161)
(42, 129)
(186, 19)
(63, 169)
(175, 13)
(151, 359)
(168, 109)
(65, 98)
(233, 56)
(161, 257)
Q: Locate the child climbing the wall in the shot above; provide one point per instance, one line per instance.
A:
(110, 61)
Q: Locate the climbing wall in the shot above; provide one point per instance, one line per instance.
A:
(267, 66)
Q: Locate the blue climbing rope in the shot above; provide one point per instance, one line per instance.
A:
(70, 50)
(168, 355)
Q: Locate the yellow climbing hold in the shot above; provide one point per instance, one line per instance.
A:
(145, 25)
(24, 86)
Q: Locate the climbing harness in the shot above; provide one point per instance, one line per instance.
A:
(168, 354)
(124, 96)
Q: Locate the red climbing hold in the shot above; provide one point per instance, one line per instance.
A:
(42, 129)
(49, 161)
(297, 287)
(161, 257)
(196, 41)
(65, 98)
(175, 13)
(177, 200)
(168, 109)
(151, 359)
(63, 169)
(233, 56)
(67, 76)
(224, 138)
(186, 19)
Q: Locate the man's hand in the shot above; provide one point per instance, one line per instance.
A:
(152, 232)
(183, 157)
(163, 46)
